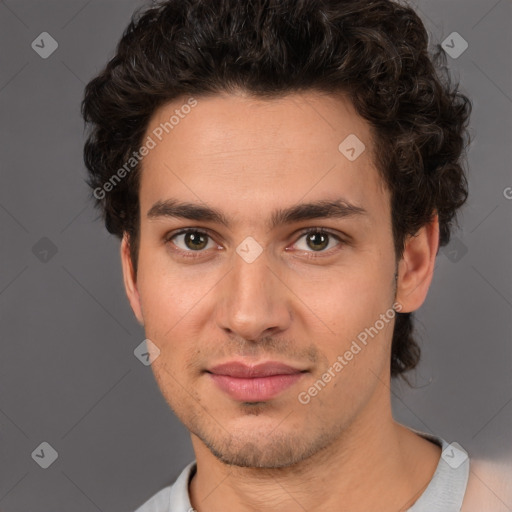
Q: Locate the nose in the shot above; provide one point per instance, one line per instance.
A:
(254, 302)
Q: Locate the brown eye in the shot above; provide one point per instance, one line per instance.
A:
(317, 240)
(191, 240)
(195, 240)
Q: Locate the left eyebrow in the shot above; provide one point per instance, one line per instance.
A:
(323, 209)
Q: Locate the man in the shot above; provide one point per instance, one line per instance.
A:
(282, 174)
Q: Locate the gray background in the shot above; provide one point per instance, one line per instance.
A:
(68, 375)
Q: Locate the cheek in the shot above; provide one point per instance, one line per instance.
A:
(357, 350)
(168, 292)
(349, 296)
(350, 302)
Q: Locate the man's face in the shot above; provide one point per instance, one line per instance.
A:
(255, 292)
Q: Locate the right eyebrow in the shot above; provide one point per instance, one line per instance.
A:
(191, 211)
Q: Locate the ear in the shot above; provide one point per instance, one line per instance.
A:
(416, 268)
(129, 278)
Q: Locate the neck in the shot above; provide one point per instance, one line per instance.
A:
(372, 465)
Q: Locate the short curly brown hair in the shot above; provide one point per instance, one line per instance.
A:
(375, 51)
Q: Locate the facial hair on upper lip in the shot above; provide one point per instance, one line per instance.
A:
(255, 352)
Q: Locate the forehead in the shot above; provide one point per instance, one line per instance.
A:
(237, 150)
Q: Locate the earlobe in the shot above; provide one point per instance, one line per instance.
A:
(129, 278)
(416, 268)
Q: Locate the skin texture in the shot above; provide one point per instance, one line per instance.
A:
(247, 157)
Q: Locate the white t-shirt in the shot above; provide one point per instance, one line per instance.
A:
(444, 493)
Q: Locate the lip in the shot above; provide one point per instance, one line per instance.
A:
(241, 370)
(254, 383)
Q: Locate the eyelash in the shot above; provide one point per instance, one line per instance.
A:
(197, 254)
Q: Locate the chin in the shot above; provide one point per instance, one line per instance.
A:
(258, 449)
